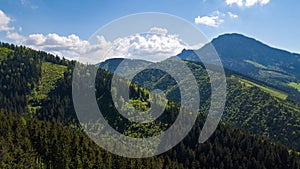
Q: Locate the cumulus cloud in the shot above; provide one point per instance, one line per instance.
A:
(213, 21)
(4, 22)
(15, 37)
(155, 45)
(247, 3)
(70, 45)
(231, 15)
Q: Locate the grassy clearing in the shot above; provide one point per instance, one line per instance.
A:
(4, 52)
(272, 92)
(256, 64)
(51, 73)
(295, 85)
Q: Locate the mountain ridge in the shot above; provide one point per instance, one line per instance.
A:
(253, 58)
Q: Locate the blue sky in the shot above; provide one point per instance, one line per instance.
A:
(274, 22)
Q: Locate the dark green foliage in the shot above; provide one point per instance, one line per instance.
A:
(53, 139)
(20, 73)
(40, 144)
(248, 106)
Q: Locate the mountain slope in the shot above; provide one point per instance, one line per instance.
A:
(250, 57)
(250, 105)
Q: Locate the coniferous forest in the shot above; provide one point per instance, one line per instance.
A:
(39, 127)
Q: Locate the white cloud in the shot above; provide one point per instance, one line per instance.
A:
(4, 22)
(213, 21)
(247, 3)
(264, 2)
(231, 15)
(237, 2)
(16, 37)
(155, 45)
(253, 2)
(70, 46)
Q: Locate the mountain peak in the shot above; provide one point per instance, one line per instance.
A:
(237, 38)
(251, 57)
(233, 35)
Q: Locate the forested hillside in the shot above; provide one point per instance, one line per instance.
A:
(250, 105)
(39, 128)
